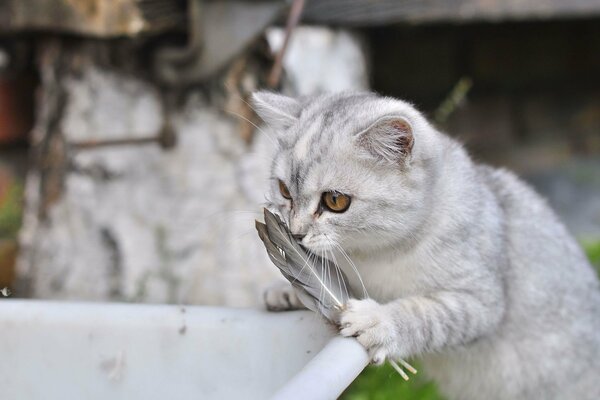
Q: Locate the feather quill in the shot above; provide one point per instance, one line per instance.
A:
(307, 271)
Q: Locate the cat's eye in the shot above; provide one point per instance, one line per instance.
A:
(285, 192)
(336, 202)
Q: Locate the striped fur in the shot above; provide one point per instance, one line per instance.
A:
(465, 265)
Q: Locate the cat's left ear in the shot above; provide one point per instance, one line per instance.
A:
(390, 139)
(276, 110)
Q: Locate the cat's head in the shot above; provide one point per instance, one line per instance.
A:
(351, 169)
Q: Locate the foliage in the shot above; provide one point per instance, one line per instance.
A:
(10, 212)
(592, 248)
(383, 383)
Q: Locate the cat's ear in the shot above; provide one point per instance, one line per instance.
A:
(390, 139)
(276, 110)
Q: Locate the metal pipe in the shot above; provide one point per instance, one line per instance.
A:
(328, 374)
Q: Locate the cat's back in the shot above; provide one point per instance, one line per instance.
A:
(553, 296)
(538, 243)
(548, 343)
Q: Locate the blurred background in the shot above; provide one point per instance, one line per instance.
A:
(132, 166)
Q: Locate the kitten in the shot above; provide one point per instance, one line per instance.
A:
(465, 265)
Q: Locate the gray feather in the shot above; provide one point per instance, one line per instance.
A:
(320, 284)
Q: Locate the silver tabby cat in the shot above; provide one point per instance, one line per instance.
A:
(465, 265)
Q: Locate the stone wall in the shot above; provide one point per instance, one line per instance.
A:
(138, 222)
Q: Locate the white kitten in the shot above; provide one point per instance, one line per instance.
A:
(465, 265)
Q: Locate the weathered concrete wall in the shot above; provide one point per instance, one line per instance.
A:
(141, 223)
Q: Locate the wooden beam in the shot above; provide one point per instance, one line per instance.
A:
(102, 18)
(383, 12)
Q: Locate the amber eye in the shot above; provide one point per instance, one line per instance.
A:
(336, 202)
(285, 192)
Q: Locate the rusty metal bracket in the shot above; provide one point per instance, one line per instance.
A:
(217, 32)
(166, 137)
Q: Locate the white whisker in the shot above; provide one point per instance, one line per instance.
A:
(313, 272)
(341, 282)
(351, 263)
(271, 139)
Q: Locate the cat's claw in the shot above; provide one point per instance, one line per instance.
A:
(369, 322)
(378, 355)
(282, 297)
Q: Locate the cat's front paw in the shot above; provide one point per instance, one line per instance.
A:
(372, 326)
(282, 297)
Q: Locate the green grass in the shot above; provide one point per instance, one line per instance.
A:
(383, 383)
(592, 249)
(11, 211)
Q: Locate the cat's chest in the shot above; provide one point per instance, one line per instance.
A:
(386, 278)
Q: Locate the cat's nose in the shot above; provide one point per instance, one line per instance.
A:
(298, 236)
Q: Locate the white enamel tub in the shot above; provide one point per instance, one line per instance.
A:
(62, 350)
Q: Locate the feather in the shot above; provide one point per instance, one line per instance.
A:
(309, 274)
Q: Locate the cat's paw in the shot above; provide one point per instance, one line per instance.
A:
(370, 323)
(281, 297)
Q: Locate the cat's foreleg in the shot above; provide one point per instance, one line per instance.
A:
(281, 296)
(410, 326)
